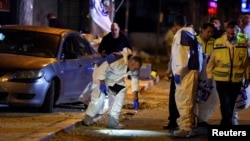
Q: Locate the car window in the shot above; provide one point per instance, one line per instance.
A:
(84, 45)
(69, 48)
(29, 43)
(75, 47)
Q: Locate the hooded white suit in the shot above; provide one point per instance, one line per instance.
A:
(113, 69)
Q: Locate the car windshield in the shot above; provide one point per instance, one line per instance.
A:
(29, 43)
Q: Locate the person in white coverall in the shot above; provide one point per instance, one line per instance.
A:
(186, 64)
(109, 76)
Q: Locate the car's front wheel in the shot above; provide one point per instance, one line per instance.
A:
(48, 103)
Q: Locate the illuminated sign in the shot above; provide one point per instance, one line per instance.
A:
(212, 7)
(245, 6)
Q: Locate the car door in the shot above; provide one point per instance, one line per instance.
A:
(77, 67)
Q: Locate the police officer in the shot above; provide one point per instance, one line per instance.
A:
(228, 67)
(206, 97)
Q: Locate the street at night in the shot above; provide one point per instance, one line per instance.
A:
(52, 50)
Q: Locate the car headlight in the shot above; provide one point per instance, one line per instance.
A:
(26, 75)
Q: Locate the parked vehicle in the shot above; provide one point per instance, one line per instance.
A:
(42, 67)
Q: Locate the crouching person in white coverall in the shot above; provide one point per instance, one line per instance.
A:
(109, 76)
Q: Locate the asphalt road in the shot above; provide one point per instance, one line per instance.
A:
(24, 124)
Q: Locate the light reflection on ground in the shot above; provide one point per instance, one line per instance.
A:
(129, 133)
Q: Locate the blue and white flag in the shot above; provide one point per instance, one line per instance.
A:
(100, 15)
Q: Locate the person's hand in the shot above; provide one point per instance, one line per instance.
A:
(177, 79)
(103, 88)
(246, 83)
(136, 104)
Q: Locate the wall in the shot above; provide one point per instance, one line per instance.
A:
(41, 9)
(148, 43)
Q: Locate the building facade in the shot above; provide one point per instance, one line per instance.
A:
(136, 17)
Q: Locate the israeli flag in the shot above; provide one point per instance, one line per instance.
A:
(100, 15)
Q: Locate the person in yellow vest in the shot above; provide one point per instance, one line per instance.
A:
(205, 38)
(168, 43)
(206, 96)
(241, 38)
(172, 108)
(169, 38)
(228, 67)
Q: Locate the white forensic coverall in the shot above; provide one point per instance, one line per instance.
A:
(184, 64)
(113, 69)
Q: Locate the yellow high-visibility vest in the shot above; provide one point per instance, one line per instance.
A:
(230, 64)
(207, 47)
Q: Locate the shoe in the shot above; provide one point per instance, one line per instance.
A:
(182, 133)
(235, 119)
(112, 123)
(171, 126)
(118, 126)
(202, 124)
(87, 120)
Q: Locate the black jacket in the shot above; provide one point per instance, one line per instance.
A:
(110, 44)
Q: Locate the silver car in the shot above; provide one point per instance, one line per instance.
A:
(42, 67)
